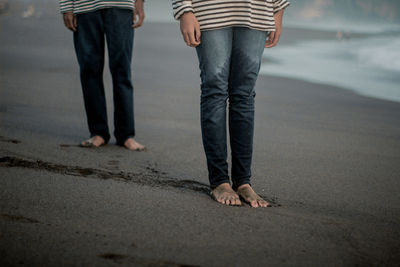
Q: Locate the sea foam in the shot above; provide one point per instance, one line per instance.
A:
(369, 66)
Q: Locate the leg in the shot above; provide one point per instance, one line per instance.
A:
(89, 47)
(247, 49)
(120, 34)
(214, 60)
(214, 57)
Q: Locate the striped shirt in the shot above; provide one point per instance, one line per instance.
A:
(82, 6)
(215, 14)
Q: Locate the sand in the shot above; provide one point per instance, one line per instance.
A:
(326, 158)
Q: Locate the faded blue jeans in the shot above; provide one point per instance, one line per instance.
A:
(113, 25)
(229, 61)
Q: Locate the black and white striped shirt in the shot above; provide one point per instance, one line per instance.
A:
(214, 14)
(82, 6)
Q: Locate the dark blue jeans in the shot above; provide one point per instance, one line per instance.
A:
(115, 26)
(230, 60)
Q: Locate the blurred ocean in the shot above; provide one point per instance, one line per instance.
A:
(364, 56)
(369, 66)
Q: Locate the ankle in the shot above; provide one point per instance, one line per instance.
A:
(223, 186)
(244, 186)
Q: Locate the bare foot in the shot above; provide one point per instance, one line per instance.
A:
(131, 144)
(251, 197)
(95, 141)
(224, 194)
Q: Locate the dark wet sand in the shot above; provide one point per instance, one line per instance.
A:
(328, 159)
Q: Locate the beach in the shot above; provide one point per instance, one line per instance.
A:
(326, 158)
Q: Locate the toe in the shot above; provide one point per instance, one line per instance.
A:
(238, 202)
(87, 143)
(221, 200)
(136, 148)
(262, 203)
(254, 204)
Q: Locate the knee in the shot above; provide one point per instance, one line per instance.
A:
(214, 93)
(242, 96)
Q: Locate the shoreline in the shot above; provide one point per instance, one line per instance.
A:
(325, 85)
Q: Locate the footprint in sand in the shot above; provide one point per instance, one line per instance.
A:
(112, 165)
(18, 218)
(8, 140)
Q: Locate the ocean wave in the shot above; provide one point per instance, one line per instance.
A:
(382, 53)
(369, 66)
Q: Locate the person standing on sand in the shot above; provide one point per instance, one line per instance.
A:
(91, 21)
(229, 37)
